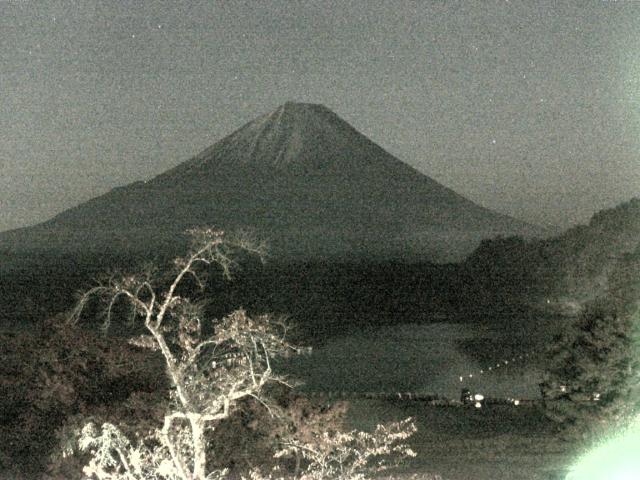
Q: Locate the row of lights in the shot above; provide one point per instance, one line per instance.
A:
(504, 363)
(478, 398)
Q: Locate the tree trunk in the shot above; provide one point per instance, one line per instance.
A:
(199, 447)
(297, 469)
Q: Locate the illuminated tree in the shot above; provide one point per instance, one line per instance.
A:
(350, 455)
(209, 372)
(212, 366)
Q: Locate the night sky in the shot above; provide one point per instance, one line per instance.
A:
(529, 108)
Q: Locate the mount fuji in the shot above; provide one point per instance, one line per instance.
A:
(300, 178)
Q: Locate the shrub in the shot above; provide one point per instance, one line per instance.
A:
(53, 373)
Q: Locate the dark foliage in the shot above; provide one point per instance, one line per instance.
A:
(593, 375)
(252, 434)
(599, 354)
(559, 275)
(56, 372)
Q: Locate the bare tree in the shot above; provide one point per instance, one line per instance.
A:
(209, 372)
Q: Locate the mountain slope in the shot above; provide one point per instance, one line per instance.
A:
(560, 275)
(300, 177)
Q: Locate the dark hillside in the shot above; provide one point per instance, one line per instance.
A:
(562, 274)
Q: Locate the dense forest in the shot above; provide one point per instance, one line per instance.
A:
(559, 274)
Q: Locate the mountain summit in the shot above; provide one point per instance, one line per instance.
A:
(301, 178)
(294, 134)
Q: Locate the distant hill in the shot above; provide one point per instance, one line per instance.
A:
(299, 177)
(561, 274)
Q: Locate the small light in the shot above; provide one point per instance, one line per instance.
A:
(478, 397)
(478, 405)
(516, 402)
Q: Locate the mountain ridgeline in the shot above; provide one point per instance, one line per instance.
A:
(301, 178)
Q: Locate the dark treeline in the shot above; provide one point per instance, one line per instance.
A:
(503, 280)
(322, 298)
(564, 273)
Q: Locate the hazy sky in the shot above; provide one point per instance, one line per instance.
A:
(529, 108)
